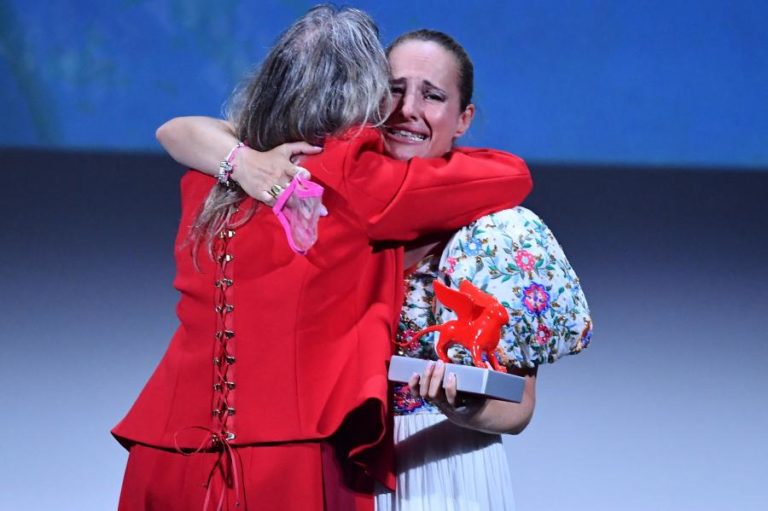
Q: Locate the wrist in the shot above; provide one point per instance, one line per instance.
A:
(227, 167)
(466, 410)
(246, 161)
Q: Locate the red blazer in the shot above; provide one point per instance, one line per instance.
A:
(311, 334)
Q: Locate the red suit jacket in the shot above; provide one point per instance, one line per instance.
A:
(310, 335)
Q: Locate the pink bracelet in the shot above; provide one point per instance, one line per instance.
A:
(226, 166)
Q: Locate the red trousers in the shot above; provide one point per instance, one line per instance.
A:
(284, 477)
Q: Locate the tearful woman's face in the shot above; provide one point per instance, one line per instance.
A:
(426, 117)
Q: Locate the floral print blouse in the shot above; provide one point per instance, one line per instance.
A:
(513, 256)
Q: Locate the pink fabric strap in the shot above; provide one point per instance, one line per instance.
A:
(298, 208)
(233, 152)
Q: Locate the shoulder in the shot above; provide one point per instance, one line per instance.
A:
(486, 234)
(515, 239)
(341, 153)
(357, 138)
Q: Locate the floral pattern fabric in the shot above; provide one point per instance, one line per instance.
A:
(513, 256)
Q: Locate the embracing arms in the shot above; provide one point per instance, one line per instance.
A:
(202, 142)
(447, 192)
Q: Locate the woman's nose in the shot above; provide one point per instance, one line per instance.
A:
(409, 106)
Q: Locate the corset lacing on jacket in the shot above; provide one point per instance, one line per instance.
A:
(221, 432)
(223, 409)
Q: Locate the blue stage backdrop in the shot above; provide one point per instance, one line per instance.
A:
(646, 83)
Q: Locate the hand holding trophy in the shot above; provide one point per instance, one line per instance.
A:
(480, 318)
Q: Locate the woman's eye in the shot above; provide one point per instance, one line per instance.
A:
(434, 97)
(396, 90)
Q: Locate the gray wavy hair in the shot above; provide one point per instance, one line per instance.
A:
(326, 74)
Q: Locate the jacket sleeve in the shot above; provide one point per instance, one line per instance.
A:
(403, 200)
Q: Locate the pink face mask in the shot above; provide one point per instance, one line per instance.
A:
(299, 207)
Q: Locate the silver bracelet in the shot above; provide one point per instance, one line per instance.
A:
(226, 167)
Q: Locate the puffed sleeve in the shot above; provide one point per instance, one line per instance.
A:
(403, 200)
(513, 256)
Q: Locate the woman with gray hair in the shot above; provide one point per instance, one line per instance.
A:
(272, 393)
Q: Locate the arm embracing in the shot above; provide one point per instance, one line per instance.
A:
(203, 142)
(197, 142)
(447, 192)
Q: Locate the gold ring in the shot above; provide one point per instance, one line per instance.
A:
(275, 191)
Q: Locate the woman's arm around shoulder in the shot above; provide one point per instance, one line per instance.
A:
(448, 192)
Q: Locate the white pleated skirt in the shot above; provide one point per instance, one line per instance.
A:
(442, 466)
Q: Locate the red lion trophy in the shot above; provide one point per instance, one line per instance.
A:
(477, 327)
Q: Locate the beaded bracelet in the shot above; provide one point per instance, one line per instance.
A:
(226, 167)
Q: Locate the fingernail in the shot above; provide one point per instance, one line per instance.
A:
(416, 375)
(440, 363)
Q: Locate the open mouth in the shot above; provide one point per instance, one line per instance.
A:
(406, 135)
